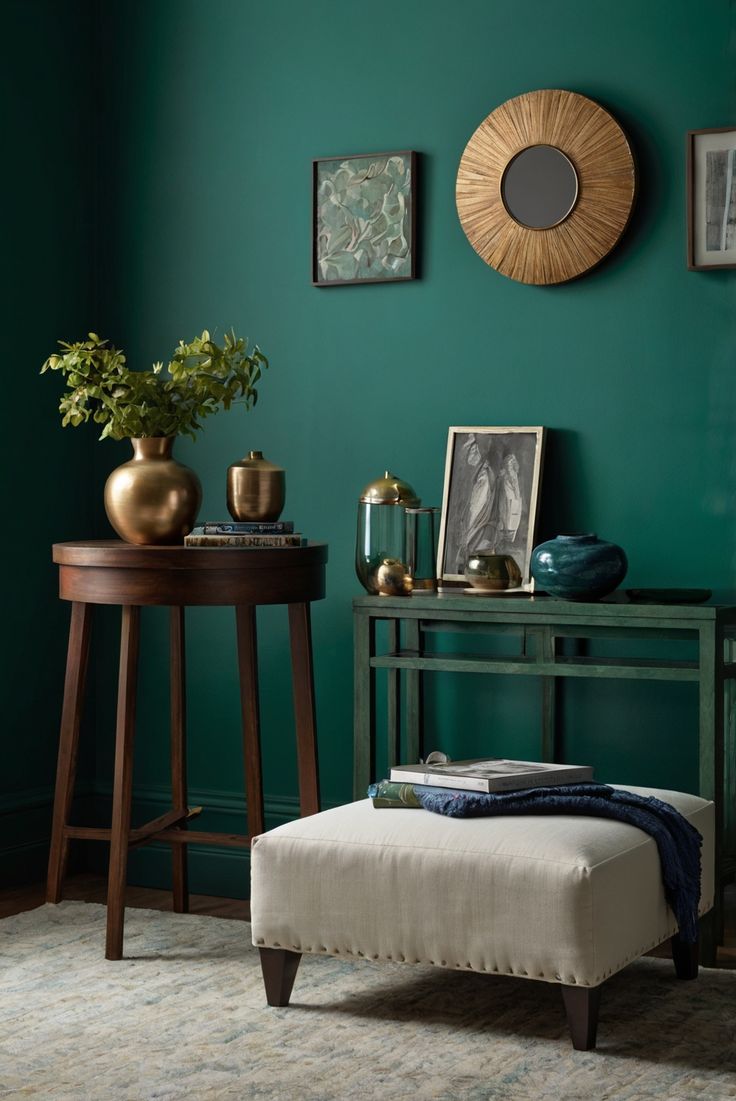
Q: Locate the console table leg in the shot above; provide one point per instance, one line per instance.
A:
(302, 674)
(123, 781)
(549, 698)
(711, 724)
(364, 703)
(71, 716)
(179, 876)
(393, 698)
(245, 618)
(414, 715)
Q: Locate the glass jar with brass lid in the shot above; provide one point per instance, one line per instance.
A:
(380, 552)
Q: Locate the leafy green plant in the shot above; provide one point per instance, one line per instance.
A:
(200, 378)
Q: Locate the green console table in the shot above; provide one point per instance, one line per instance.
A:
(536, 628)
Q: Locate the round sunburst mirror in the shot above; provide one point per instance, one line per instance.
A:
(546, 186)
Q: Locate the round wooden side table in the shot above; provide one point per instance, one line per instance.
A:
(106, 571)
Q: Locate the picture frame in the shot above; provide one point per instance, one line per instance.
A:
(490, 498)
(364, 219)
(711, 198)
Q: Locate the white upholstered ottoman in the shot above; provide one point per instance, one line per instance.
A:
(562, 899)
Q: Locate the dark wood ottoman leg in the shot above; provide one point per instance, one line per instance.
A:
(279, 967)
(581, 1007)
(685, 958)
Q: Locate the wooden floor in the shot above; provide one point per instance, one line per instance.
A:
(93, 888)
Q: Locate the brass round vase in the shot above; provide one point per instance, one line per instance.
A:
(492, 572)
(256, 488)
(152, 499)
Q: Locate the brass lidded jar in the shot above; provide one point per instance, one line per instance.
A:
(256, 488)
(380, 550)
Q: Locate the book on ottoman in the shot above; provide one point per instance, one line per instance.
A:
(491, 774)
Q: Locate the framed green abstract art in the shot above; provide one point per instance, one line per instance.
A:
(363, 219)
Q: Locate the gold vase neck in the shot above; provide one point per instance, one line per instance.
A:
(153, 447)
(254, 460)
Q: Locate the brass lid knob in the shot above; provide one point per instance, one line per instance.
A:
(389, 490)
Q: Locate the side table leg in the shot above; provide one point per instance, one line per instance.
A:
(302, 676)
(71, 715)
(123, 781)
(245, 619)
(179, 877)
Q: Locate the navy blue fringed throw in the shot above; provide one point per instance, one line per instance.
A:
(677, 840)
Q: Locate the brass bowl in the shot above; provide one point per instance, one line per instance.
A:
(492, 572)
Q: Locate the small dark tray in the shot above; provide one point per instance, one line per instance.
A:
(669, 596)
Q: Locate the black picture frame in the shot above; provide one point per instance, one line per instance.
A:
(364, 218)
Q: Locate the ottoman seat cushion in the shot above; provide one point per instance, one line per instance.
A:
(564, 899)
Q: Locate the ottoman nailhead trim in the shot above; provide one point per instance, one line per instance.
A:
(495, 969)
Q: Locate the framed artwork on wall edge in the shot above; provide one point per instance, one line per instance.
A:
(364, 219)
(490, 498)
(711, 198)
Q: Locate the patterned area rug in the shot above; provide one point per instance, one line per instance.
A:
(184, 1016)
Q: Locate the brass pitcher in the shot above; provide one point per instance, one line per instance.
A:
(256, 488)
(152, 498)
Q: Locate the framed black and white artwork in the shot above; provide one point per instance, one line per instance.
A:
(711, 199)
(490, 498)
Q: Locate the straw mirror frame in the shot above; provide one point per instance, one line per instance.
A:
(601, 156)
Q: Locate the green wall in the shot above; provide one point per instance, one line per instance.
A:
(210, 115)
(48, 202)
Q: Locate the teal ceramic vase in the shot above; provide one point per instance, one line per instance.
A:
(578, 567)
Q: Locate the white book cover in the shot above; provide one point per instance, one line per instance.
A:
(492, 774)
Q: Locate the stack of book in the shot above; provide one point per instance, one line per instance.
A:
(488, 775)
(245, 533)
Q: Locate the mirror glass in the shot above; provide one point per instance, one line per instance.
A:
(539, 187)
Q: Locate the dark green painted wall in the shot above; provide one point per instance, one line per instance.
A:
(48, 291)
(211, 115)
